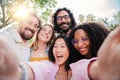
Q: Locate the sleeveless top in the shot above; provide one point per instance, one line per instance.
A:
(38, 59)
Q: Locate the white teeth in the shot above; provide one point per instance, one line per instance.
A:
(29, 32)
(82, 49)
(59, 55)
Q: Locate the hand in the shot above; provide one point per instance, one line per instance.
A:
(9, 62)
(109, 57)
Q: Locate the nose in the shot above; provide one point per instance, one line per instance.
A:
(80, 43)
(46, 32)
(58, 50)
(63, 19)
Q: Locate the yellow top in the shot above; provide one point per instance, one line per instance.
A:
(38, 59)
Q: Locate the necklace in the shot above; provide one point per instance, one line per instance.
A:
(41, 55)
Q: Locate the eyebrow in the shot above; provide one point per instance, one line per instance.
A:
(46, 28)
(63, 15)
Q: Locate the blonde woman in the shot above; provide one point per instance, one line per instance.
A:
(40, 46)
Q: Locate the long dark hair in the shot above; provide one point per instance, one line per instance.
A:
(56, 27)
(50, 52)
(96, 33)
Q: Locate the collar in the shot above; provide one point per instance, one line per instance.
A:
(15, 34)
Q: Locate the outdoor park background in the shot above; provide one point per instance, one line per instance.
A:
(103, 11)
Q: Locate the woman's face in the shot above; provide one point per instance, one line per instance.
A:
(81, 42)
(45, 34)
(60, 51)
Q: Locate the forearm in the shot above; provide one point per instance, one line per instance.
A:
(12, 75)
(10, 68)
(109, 57)
(93, 70)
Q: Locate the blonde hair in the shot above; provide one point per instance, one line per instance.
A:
(35, 46)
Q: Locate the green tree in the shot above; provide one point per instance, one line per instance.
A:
(45, 7)
(90, 18)
(8, 7)
(5, 17)
(113, 23)
(81, 18)
(116, 18)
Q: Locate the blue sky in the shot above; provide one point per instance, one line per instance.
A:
(99, 8)
(115, 3)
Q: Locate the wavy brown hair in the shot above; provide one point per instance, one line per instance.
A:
(35, 43)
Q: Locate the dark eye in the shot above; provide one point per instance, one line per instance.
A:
(66, 16)
(54, 46)
(43, 29)
(59, 18)
(74, 41)
(50, 32)
(36, 26)
(84, 39)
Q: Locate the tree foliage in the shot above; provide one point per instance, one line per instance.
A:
(90, 18)
(81, 18)
(45, 7)
(111, 24)
(5, 17)
(115, 22)
(8, 7)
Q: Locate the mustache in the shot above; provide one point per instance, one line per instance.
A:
(30, 30)
(63, 23)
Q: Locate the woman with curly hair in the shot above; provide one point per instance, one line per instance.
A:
(87, 39)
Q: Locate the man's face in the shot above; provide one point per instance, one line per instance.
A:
(63, 20)
(28, 27)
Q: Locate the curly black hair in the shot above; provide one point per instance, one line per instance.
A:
(56, 27)
(96, 33)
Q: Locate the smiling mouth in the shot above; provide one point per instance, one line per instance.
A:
(59, 57)
(82, 49)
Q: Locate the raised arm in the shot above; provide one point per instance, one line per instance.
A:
(109, 57)
(9, 64)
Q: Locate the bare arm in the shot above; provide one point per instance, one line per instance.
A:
(10, 68)
(109, 57)
(9, 65)
(93, 70)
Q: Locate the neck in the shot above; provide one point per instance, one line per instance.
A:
(62, 74)
(62, 67)
(42, 45)
(88, 56)
(66, 33)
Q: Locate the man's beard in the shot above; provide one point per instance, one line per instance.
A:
(25, 37)
(65, 30)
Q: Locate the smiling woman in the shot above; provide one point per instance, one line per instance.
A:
(43, 40)
(108, 54)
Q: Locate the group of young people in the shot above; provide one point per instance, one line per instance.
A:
(82, 52)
